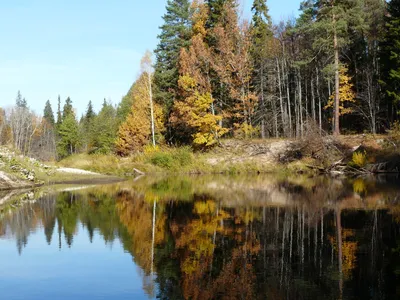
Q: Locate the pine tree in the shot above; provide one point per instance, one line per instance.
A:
(335, 19)
(48, 113)
(175, 34)
(390, 58)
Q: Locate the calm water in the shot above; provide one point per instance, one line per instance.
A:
(204, 238)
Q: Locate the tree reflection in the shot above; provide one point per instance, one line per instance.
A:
(330, 239)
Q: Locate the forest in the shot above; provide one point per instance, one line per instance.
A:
(216, 75)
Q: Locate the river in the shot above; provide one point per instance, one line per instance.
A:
(204, 237)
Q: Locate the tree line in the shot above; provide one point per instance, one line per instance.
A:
(336, 67)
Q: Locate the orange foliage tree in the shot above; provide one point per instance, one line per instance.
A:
(135, 132)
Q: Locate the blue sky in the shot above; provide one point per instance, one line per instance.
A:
(85, 49)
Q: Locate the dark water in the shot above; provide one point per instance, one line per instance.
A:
(204, 238)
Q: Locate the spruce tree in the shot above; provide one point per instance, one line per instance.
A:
(175, 34)
(68, 136)
(124, 107)
(104, 129)
(391, 59)
(68, 109)
(90, 114)
(48, 113)
(68, 132)
(20, 102)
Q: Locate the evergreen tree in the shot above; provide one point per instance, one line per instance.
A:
(68, 109)
(262, 35)
(124, 107)
(68, 133)
(391, 59)
(216, 11)
(90, 114)
(175, 34)
(334, 21)
(86, 126)
(104, 129)
(20, 102)
(48, 113)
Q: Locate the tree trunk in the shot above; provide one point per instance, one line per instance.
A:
(280, 95)
(336, 130)
(151, 111)
(262, 103)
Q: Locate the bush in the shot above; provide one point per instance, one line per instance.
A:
(184, 156)
(163, 160)
(393, 139)
(171, 159)
(359, 158)
(245, 131)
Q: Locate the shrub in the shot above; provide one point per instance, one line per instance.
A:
(184, 156)
(393, 139)
(359, 158)
(245, 131)
(171, 159)
(163, 160)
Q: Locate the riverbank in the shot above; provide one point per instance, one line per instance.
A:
(19, 172)
(311, 155)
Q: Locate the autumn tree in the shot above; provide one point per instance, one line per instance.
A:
(194, 116)
(346, 93)
(233, 66)
(147, 70)
(135, 132)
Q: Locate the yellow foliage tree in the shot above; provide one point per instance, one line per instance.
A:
(135, 132)
(194, 113)
(346, 93)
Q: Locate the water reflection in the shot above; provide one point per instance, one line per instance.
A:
(224, 237)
